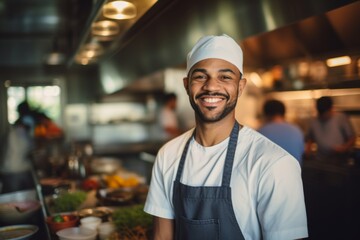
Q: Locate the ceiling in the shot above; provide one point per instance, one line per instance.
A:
(270, 31)
(31, 30)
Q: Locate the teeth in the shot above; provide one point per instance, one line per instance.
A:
(212, 100)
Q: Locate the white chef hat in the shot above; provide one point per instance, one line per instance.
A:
(222, 47)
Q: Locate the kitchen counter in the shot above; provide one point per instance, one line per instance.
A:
(131, 166)
(31, 190)
(128, 148)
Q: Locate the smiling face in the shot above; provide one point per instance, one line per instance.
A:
(213, 86)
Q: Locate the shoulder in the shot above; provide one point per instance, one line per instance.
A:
(172, 150)
(340, 116)
(251, 137)
(252, 140)
(256, 150)
(296, 129)
(314, 122)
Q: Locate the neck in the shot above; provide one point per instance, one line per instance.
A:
(209, 134)
(277, 119)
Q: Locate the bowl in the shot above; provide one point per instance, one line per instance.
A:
(77, 233)
(105, 165)
(90, 222)
(102, 212)
(18, 232)
(18, 212)
(116, 196)
(68, 221)
(105, 229)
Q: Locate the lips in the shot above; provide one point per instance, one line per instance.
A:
(212, 99)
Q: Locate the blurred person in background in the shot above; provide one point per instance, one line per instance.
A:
(222, 180)
(46, 128)
(168, 117)
(277, 129)
(331, 131)
(15, 170)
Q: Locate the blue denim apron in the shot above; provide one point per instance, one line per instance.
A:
(206, 212)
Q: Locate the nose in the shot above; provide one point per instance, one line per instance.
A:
(211, 84)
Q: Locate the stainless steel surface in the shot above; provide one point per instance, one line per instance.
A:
(166, 34)
(18, 196)
(163, 36)
(30, 30)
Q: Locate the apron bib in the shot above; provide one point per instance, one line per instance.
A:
(206, 212)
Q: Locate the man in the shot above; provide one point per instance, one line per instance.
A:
(15, 167)
(222, 180)
(286, 135)
(168, 118)
(331, 131)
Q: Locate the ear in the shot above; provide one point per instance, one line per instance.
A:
(242, 84)
(186, 84)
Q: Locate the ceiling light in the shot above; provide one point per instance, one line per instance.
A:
(105, 28)
(91, 50)
(339, 61)
(119, 10)
(83, 60)
(55, 58)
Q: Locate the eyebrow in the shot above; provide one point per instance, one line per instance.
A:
(202, 70)
(227, 70)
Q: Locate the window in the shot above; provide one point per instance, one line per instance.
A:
(43, 98)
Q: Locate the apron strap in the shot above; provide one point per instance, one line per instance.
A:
(229, 160)
(183, 157)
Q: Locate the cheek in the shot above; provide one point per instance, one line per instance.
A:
(234, 91)
(193, 88)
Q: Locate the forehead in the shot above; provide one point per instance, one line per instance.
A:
(215, 65)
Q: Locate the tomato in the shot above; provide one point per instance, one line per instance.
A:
(90, 184)
(66, 218)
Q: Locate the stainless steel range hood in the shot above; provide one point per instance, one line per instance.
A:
(271, 32)
(334, 33)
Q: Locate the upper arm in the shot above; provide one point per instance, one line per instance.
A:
(163, 228)
(280, 201)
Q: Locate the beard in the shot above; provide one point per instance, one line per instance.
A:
(229, 107)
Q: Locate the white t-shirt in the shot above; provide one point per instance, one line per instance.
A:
(17, 151)
(267, 191)
(168, 118)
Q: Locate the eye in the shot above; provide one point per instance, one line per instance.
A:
(225, 77)
(198, 76)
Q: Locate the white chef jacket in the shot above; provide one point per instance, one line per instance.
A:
(267, 191)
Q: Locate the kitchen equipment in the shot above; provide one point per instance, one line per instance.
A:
(18, 212)
(115, 196)
(105, 165)
(67, 221)
(77, 233)
(75, 166)
(90, 222)
(18, 232)
(102, 212)
(18, 196)
(105, 229)
(54, 185)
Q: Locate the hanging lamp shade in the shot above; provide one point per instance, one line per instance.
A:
(119, 10)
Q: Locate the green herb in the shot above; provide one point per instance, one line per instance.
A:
(131, 217)
(58, 218)
(70, 201)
